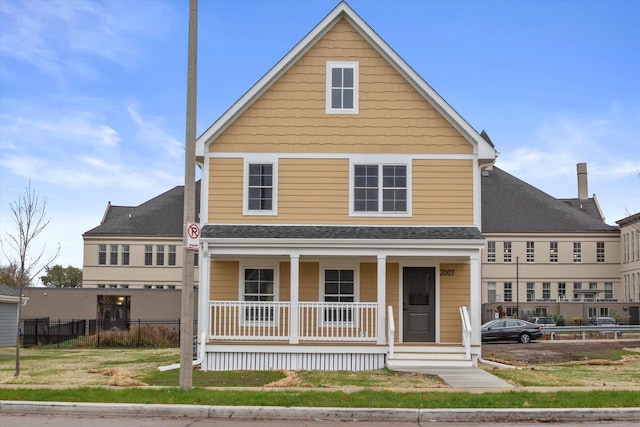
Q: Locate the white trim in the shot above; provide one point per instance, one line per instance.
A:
(259, 264)
(340, 264)
(264, 159)
(380, 161)
(355, 65)
(357, 157)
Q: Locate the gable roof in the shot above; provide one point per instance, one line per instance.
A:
(484, 149)
(9, 294)
(510, 205)
(161, 216)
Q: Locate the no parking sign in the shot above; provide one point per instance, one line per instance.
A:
(193, 235)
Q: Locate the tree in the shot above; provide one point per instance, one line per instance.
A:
(29, 216)
(61, 277)
(8, 275)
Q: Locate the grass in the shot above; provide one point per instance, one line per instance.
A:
(214, 379)
(359, 399)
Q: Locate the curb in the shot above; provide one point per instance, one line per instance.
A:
(334, 414)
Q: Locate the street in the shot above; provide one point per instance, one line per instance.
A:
(59, 420)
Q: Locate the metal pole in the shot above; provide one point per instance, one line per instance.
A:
(517, 287)
(186, 312)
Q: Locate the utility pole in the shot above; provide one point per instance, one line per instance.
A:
(186, 312)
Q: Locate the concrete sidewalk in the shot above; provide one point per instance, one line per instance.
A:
(335, 414)
(466, 378)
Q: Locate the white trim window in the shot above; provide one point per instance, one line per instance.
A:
(259, 285)
(339, 285)
(342, 82)
(380, 189)
(491, 252)
(260, 188)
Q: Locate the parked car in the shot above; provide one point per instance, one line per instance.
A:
(544, 322)
(510, 329)
(603, 321)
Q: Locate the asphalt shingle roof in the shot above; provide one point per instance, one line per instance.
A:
(337, 232)
(160, 216)
(8, 291)
(511, 205)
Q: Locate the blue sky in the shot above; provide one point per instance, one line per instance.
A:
(93, 93)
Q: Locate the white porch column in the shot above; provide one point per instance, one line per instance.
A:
(294, 312)
(476, 298)
(382, 300)
(204, 293)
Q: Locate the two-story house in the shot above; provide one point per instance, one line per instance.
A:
(341, 215)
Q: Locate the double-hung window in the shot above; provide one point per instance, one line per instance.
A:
(159, 254)
(380, 189)
(530, 251)
(506, 251)
(599, 251)
(260, 188)
(342, 87)
(259, 287)
(577, 252)
(553, 251)
(339, 287)
(491, 251)
(172, 255)
(125, 254)
(148, 254)
(113, 255)
(102, 254)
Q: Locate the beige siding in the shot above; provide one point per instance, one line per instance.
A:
(224, 280)
(317, 191)
(285, 281)
(368, 282)
(290, 116)
(309, 281)
(454, 293)
(393, 292)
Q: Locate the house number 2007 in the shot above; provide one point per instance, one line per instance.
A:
(447, 272)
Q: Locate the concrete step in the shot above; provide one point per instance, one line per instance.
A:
(411, 364)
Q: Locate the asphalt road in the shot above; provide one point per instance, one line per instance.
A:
(60, 420)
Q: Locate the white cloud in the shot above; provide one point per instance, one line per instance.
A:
(151, 132)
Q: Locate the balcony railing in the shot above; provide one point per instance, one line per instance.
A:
(271, 321)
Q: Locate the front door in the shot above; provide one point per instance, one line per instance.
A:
(418, 305)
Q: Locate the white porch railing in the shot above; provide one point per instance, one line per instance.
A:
(318, 321)
(466, 330)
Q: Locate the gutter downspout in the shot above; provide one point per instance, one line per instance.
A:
(196, 362)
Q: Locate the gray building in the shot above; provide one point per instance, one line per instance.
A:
(9, 300)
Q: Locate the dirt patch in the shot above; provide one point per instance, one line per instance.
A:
(291, 379)
(540, 351)
(118, 377)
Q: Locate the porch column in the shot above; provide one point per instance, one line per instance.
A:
(204, 294)
(382, 300)
(294, 312)
(476, 298)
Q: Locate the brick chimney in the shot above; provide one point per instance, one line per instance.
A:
(583, 190)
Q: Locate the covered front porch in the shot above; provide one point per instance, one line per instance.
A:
(329, 305)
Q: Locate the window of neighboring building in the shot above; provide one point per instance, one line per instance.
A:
(531, 291)
(604, 311)
(102, 254)
(101, 285)
(593, 311)
(553, 251)
(342, 87)
(511, 311)
(546, 291)
(541, 311)
(576, 286)
(260, 188)
(113, 286)
(125, 254)
(491, 292)
(113, 255)
(608, 290)
(491, 251)
(562, 291)
(125, 286)
(507, 294)
(196, 258)
(148, 254)
(507, 251)
(171, 286)
(577, 252)
(172, 255)
(159, 254)
(599, 251)
(380, 189)
(259, 286)
(530, 251)
(148, 286)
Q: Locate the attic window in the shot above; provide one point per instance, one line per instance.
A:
(342, 87)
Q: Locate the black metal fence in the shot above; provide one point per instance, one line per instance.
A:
(91, 333)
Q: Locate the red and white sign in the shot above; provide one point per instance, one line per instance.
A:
(193, 235)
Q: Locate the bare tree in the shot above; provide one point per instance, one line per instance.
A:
(29, 216)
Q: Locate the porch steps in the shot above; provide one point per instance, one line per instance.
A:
(416, 357)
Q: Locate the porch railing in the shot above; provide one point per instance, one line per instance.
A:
(317, 321)
(466, 330)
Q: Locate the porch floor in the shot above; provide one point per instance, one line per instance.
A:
(467, 377)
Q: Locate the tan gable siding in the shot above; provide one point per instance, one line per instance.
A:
(317, 191)
(454, 293)
(290, 116)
